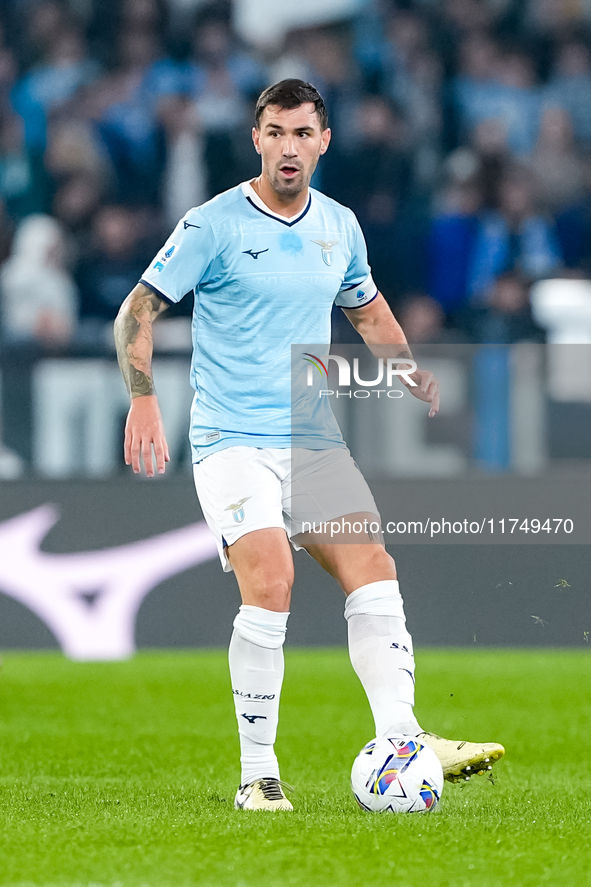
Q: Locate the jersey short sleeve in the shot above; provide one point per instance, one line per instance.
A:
(358, 287)
(183, 262)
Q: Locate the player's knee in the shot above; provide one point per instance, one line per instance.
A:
(268, 588)
(273, 594)
(382, 563)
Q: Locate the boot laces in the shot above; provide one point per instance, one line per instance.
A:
(272, 789)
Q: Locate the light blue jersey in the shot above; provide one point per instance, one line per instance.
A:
(262, 283)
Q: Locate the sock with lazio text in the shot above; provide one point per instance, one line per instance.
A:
(256, 668)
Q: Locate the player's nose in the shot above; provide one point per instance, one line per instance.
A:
(289, 148)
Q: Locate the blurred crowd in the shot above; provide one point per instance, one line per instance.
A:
(461, 139)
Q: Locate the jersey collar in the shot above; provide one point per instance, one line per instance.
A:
(255, 201)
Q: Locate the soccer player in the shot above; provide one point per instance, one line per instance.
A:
(267, 260)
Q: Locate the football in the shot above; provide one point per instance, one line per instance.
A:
(397, 774)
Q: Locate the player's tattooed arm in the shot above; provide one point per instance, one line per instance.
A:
(144, 431)
(133, 339)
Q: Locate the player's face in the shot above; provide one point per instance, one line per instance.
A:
(290, 142)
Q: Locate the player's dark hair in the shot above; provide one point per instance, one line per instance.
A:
(291, 94)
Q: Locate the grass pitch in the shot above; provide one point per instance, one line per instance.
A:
(124, 774)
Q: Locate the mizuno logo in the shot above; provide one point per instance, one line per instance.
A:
(253, 253)
(189, 225)
(252, 718)
(90, 599)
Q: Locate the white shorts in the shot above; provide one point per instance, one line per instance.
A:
(242, 489)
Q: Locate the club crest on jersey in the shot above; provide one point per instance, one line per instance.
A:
(163, 259)
(327, 246)
(237, 509)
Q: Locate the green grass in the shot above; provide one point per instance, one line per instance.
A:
(124, 774)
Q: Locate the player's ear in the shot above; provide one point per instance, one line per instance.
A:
(256, 137)
(325, 141)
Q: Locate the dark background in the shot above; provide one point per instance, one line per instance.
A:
(455, 594)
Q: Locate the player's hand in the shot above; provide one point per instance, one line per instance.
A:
(144, 430)
(427, 389)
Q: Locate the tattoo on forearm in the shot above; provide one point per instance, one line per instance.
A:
(133, 338)
(139, 383)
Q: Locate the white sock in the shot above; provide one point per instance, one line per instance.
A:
(256, 668)
(381, 653)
